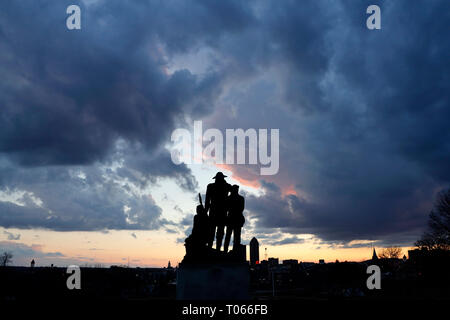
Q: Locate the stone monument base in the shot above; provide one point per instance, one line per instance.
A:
(213, 281)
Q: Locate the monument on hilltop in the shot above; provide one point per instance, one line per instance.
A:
(208, 273)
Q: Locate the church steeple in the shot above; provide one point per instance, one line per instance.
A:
(374, 255)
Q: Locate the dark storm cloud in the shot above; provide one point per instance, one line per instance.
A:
(73, 101)
(334, 219)
(363, 115)
(384, 158)
(75, 198)
(95, 197)
(289, 240)
(68, 95)
(402, 78)
(363, 118)
(151, 166)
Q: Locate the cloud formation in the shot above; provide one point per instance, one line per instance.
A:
(364, 138)
(363, 115)
(12, 236)
(86, 101)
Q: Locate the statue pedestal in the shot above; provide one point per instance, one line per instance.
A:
(213, 281)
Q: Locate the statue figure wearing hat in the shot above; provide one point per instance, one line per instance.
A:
(216, 204)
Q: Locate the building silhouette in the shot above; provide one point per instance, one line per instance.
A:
(293, 262)
(273, 262)
(254, 251)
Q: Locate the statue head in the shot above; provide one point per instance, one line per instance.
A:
(200, 209)
(219, 176)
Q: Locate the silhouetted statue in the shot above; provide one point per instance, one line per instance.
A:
(225, 207)
(216, 204)
(196, 243)
(235, 218)
(201, 227)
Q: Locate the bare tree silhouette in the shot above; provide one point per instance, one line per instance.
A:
(438, 235)
(6, 258)
(391, 252)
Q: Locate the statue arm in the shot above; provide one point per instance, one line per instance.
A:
(242, 211)
(207, 199)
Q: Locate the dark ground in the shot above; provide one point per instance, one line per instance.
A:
(426, 278)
